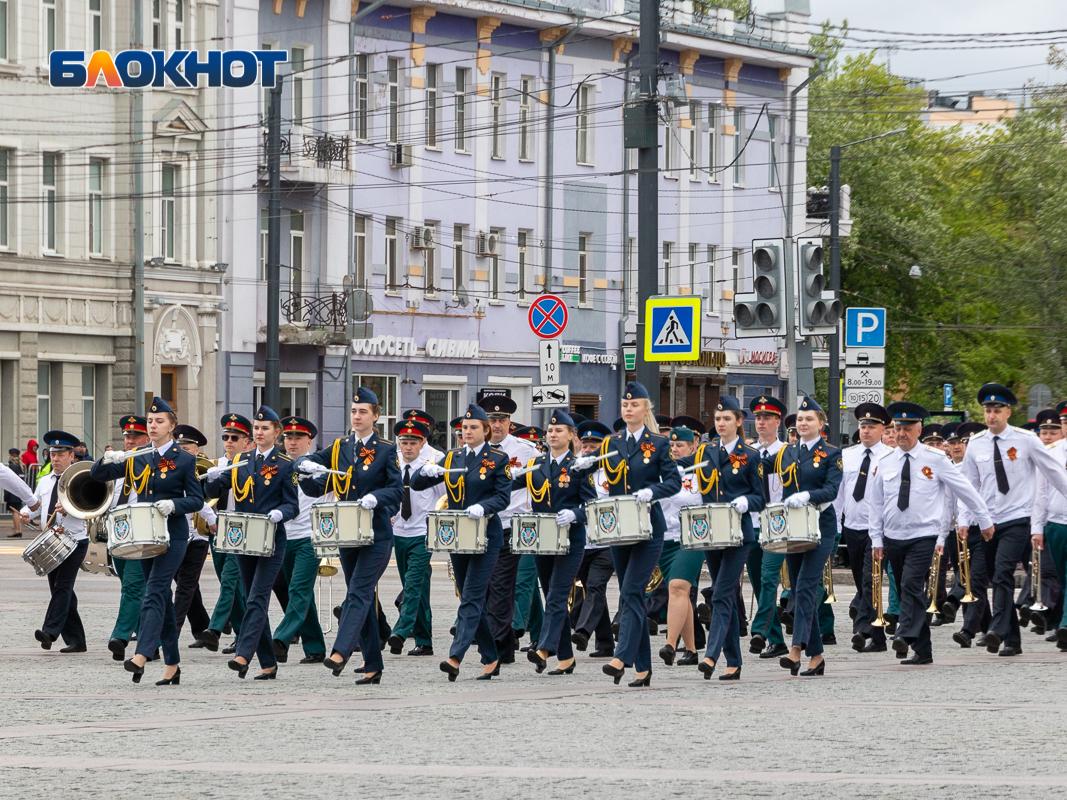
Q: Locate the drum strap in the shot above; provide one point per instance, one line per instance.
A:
(53, 498)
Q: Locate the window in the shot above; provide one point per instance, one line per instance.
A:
(3, 29)
(157, 25)
(294, 400)
(393, 73)
(459, 259)
(669, 143)
(359, 252)
(88, 400)
(774, 180)
(739, 161)
(96, 28)
(631, 272)
(432, 108)
(712, 291)
(296, 59)
(385, 386)
(462, 84)
(49, 27)
(50, 207)
(668, 248)
(494, 265)
(430, 268)
(96, 206)
(583, 268)
(5, 184)
(392, 279)
(496, 100)
(694, 283)
(735, 267)
(264, 242)
(179, 23)
(169, 214)
(523, 258)
(168, 386)
(442, 405)
(694, 141)
(296, 263)
(362, 96)
(44, 398)
(714, 121)
(525, 119)
(582, 123)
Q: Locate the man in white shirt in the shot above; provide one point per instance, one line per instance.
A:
(1049, 535)
(853, 510)
(409, 539)
(911, 502)
(61, 618)
(1003, 462)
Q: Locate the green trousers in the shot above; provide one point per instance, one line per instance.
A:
(529, 611)
(894, 595)
(766, 622)
(1056, 547)
(300, 566)
(230, 607)
(131, 575)
(413, 564)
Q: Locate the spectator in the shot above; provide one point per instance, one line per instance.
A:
(12, 503)
(81, 452)
(29, 455)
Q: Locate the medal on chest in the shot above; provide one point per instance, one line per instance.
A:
(647, 450)
(165, 465)
(366, 455)
(267, 471)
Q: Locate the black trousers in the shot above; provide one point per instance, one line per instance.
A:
(910, 559)
(61, 618)
(187, 599)
(500, 603)
(857, 543)
(1011, 545)
(591, 616)
(865, 611)
(978, 615)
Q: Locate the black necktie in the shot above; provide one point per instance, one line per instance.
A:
(766, 461)
(904, 498)
(52, 498)
(631, 446)
(405, 503)
(998, 468)
(861, 482)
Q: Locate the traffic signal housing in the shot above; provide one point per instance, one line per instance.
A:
(761, 312)
(820, 309)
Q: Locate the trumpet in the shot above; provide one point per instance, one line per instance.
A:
(876, 590)
(576, 595)
(828, 581)
(783, 577)
(931, 582)
(1035, 582)
(965, 570)
(654, 580)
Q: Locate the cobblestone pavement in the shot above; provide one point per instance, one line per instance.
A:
(74, 725)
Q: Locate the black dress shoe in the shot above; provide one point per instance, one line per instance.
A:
(786, 617)
(336, 667)
(267, 676)
(45, 639)
(706, 669)
(614, 672)
(396, 644)
(731, 676)
(980, 640)
(744, 630)
(852, 613)
(704, 614)
(785, 662)
(535, 658)
(890, 625)
(949, 609)
(813, 671)
(962, 638)
(874, 647)
(337, 612)
(373, 680)
(1024, 616)
(487, 676)
(756, 643)
(917, 659)
(1008, 651)
(1051, 637)
(569, 670)
(131, 666)
(859, 641)
(118, 649)
(829, 638)
(506, 656)
(900, 647)
(421, 650)
(450, 670)
(687, 659)
(667, 653)
(615, 630)
(606, 652)
(580, 640)
(209, 640)
(238, 667)
(230, 649)
(173, 680)
(653, 627)
(452, 631)
(73, 648)
(774, 651)
(992, 642)
(645, 681)
(281, 651)
(1061, 636)
(314, 658)
(936, 621)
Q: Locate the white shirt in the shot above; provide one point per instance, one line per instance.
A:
(300, 526)
(73, 526)
(207, 514)
(1022, 455)
(422, 502)
(11, 482)
(935, 483)
(224, 461)
(1050, 505)
(774, 483)
(673, 505)
(856, 513)
(518, 452)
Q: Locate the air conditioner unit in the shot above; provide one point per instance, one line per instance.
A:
(422, 238)
(487, 244)
(400, 155)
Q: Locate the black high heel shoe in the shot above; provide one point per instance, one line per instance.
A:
(667, 653)
(567, 671)
(819, 670)
(706, 669)
(535, 658)
(374, 679)
(614, 672)
(238, 667)
(785, 662)
(173, 680)
(645, 681)
(486, 676)
(451, 670)
(335, 667)
(731, 676)
(267, 676)
(131, 666)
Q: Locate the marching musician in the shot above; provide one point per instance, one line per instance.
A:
(61, 618)
(1049, 536)
(810, 471)
(187, 599)
(1002, 462)
(1048, 431)
(948, 600)
(300, 567)
(131, 575)
(854, 512)
(365, 471)
(911, 503)
(483, 491)
(165, 477)
(262, 483)
(555, 487)
(734, 475)
(641, 467)
(409, 539)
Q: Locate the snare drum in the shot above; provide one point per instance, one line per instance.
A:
(341, 525)
(539, 533)
(618, 520)
(136, 531)
(245, 534)
(713, 526)
(50, 549)
(455, 532)
(789, 530)
(96, 559)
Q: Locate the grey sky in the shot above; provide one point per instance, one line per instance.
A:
(957, 16)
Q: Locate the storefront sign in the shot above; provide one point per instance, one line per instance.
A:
(406, 347)
(762, 358)
(710, 359)
(573, 354)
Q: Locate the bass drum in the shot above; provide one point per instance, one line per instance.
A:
(97, 560)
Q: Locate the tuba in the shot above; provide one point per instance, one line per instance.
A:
(203, 464)
(83, 496)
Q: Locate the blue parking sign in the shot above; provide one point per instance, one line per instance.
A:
(865, 327)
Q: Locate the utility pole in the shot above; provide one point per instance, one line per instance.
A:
(272, 386)
(833, 341)
(137, 138)
(648, 188)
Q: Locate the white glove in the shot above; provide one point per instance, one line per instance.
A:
(116, 456)
(164, 507)
(740, 505)
(584, 462)
(565, 517)
(518, 472)
(214, 472)
(432, 470)
(368, 501)
(644, 495)
(476, 511)
(797, 500)
(309, 467)
(275, 516)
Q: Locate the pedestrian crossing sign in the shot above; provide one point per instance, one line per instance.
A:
(672, 328)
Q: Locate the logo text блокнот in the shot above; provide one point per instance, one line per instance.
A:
(179, 69)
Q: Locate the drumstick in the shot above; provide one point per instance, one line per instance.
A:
(695, 467)
(304, 475)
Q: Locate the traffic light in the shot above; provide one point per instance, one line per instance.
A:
(761, 312)
(820, 309)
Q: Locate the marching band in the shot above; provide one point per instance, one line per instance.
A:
(654, 502)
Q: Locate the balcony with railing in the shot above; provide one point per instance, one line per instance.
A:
(311, 157)
(313, 319)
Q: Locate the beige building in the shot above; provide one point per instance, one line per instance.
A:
(969, 113)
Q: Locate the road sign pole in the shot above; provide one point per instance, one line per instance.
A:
(648, 192)
(834, 341)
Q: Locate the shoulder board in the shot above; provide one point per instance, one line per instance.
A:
(285, 456)
(747, 448)
(936, 450)
(978, 435)
(655, 435)
(384, 441)
(498, 452)
(887, 454)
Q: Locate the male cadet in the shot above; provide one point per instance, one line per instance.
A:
(912, 498)
(131, 575)
(188, 602)
(767, 639)
(500, 600)
(1048, 526)
(409, 539)
(1003, 462)
(854, 512)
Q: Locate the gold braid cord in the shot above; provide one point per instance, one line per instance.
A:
(790, 475)
(614, 474)
(456, 490)
(340, 485)
(706, 482)
(542, 495)
(240, 493)
(137, 483)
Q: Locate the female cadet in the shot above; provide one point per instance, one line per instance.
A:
(555, 486)
(263, 484)
(810, 471)
(371, 477)
(732, 475)
(641, 466)
(483, 490)
(165, 477)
